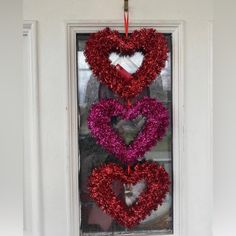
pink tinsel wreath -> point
(99, 122)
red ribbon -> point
(128, 103)
(127, 75)
(126, 22)
(129, 169)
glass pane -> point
(93, 220)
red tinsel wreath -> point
(147, 41)
(156, 187)
(99, 122)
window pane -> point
(91, 155)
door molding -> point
(32, 167)
(176, 29)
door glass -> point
(91, 155)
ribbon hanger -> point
(126, 16)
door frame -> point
(32, 154)
(176, 29)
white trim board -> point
(176, 29)
(32, 172)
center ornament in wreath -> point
(127, 86)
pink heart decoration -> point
(99, 122)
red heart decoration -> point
(147, 41)
(99, 122)
(157, 185)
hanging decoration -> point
(147, 41)
(99, 122)
(127, 87)
(156, 187)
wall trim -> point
(72, 165)
(210, 115)
(31, 130)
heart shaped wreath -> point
(156, 187)
(99, 122)
(147, 41)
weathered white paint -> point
(52, 17)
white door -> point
(188, 24)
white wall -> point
(224, 118)
(11, 118)
(51, 16)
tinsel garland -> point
(99, 122)
(149, 42)
(156, 187)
